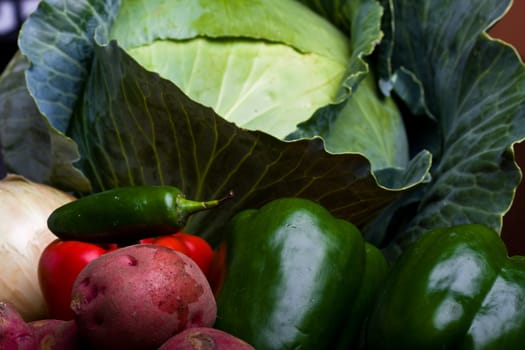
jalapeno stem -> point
(189, 206)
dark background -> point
(12, 13)
(510, 29)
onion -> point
(24, 209)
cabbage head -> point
(251, 61)
(397, 115)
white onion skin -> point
(24, 208)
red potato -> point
(137, 297)
(15, 333)
(55, 334)
(205, 338)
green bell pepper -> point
(454, 288)
(296, 277)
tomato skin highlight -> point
(58, 267)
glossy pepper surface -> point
(454, 288)
(125, 214)
(292, 276)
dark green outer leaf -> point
(474, 87)
(29, 145)
(365, 34)
(433, 39)
(335, 11)
(135, 127)
(404, 82)
(58, 41)
(476, 177)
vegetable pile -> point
(271, 286)
(122, 295)
(368, 144)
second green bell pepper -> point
(296, 278)
(454, 288)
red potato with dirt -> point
(15, 333)
(52, 334)
(139, 296)
(204, 338)
(48, 334)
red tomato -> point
(58, 267)
(199, 250)
(173, 243)
(217, 272)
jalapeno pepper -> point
(125, 214)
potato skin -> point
(139, 296)
(15, 333)
(205, 338)
(53, 334)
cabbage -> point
(406, 121)
(246, 60)
(24, 208)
